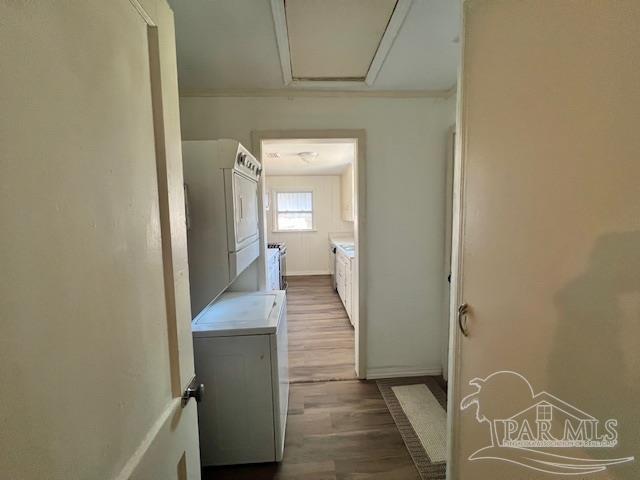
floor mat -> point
(418, 407)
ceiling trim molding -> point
(391, 32)
(282, 38)
(321, 84)
(287, 92)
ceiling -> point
(281, 157)
(231, 44)
(347, 48)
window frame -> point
(275, 207)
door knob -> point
(462, 319)
(194, 390)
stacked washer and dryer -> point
(240, 338)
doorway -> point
(312, 199)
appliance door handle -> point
(462, 319)
(241, 208)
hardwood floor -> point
(335, 431)
(321, 338)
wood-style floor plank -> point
(321, 338)
(335, 430)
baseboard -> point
(308, 272)
(376, 373)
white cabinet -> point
(348, 287)
(346, 182)
(344, 275)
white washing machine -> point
(240, 346)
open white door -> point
(96, 347)
(549, 242)
(448, 226)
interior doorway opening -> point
(312, 203)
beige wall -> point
(308, 252)
(405, 150)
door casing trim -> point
(360, 222)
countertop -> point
(341, 240)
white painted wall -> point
(405, 149)
(308, 252)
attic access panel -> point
(331, 40)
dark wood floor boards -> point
(335, 431)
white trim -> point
(282, 38)
(448, 215)
(308, 272)
(375, 373)
(314, 92)
(457, 260)
(360, 237)
(328, 83)
(142, 12)
(386, 42)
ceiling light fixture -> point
(308, 157)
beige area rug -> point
(418, 406)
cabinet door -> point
(339, 274)
(347, 283)
(341, 277)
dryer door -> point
(245, 208)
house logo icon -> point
(539, 429)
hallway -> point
(321, 338)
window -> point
(294, 211)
